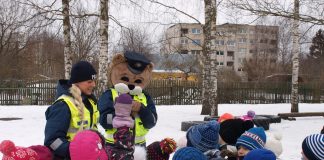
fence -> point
(173, 92)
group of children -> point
(239, 140)
(229, 138)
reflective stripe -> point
(75, 121)
(140, 139)
(73, 130)
(56, 144)
(109, 118)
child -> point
(189, 153)
(260, 154)
(313, 147)
(161, 150)
(12, 152)
(90, 145)
(254, 138)
(249, 116)
(224, 117)
(203, 136)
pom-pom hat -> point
(161, 150)
(12, 152)
(203, 136)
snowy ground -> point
(30, 130)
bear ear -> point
(118, 58)
(150, 66)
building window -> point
(242, 50)
(273, 42)
(196, 42)
(184, 41)
(220, 63)
(242, 40)
(230, 64)
(184, 51)
(195, 31)
(230, 53)
(252, 41)
(242, 30)
(219, 52)
(195, 51)
(231, 43)
(184, 30)
(263, 40)
(241, 60)
(219, 42)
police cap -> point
(136, 62)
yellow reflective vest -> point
(140, 130)
(75, 118)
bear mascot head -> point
(130, 72)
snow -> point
(30, 130)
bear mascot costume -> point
(129, 72)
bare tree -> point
(84, 35)
(295, 58)
(103, 57)
(278, 8)
(67, 37)
(209, 91)
(15, 32)
(136, 39)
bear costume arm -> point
(106, 109)
(148, 114)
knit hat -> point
(161, 150)
(12, 152)
(224, 117)
(189, 153)
(82, 71)
(249, 115)
(258, 154)
(43, 152)
(87, 145)
(203, 136)
(313, 147)
(254, 138)
(230, 130)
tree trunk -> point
(209, 95)
(295, 59)
(103, 57)
(67, 38)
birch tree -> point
(67, 38)
(103, 53)
(295, 59)
(209, 73)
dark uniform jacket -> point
(58, 120)
(147, 114)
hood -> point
(62, 88)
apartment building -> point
(233, 44)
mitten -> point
(123, 108)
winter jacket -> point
(213, 154)
(147, 114)
(58, 117)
